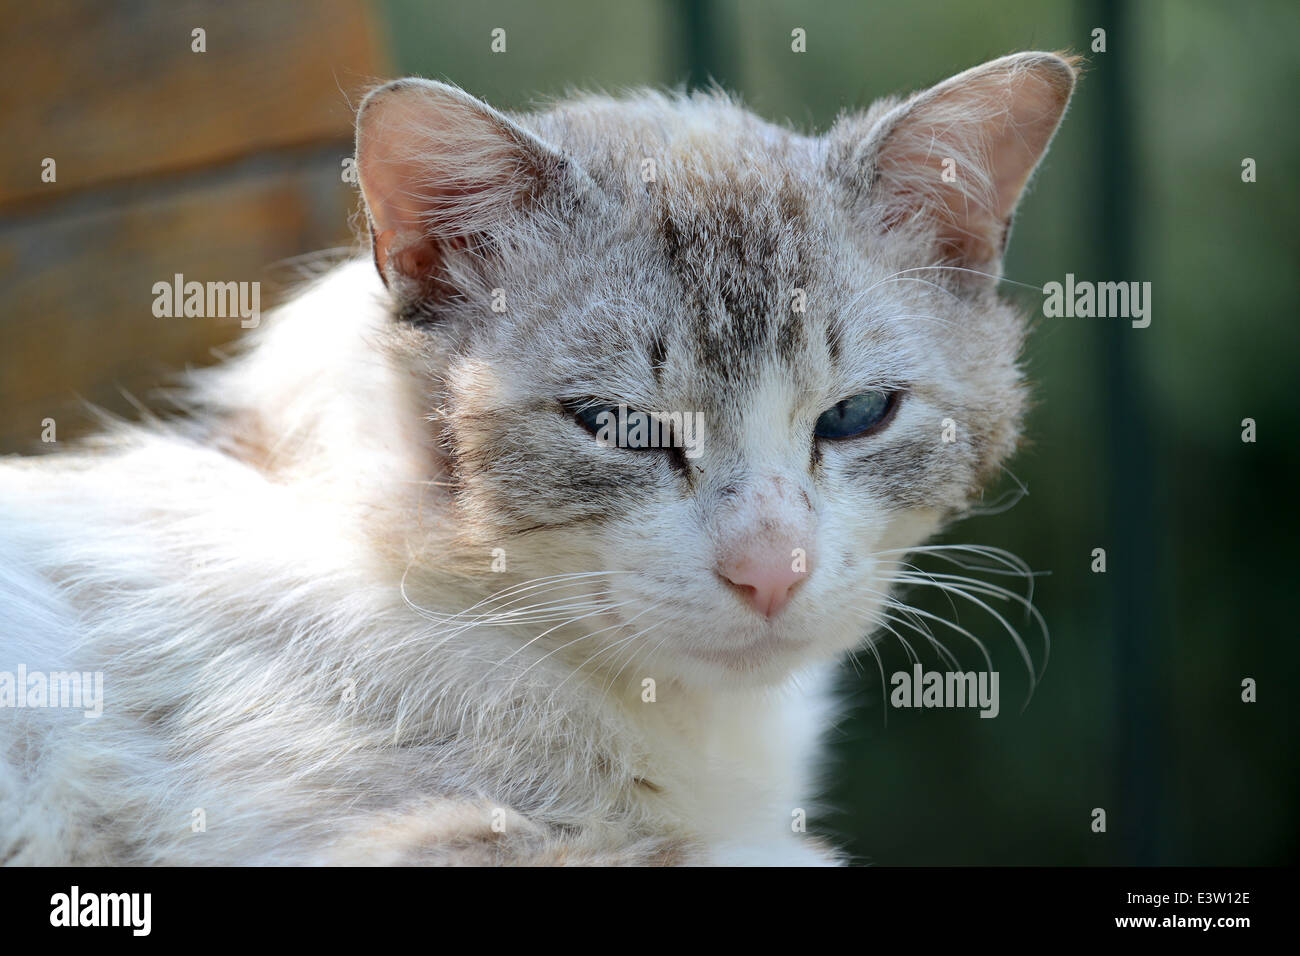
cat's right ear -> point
(443, 176)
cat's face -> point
(833, 397)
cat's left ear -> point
(949, 164)
(446, 181)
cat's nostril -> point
(766, 583)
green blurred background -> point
(1136, 440)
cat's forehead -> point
(743, 250)
(719, 256)
(726, 217)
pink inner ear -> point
(994, 122)
(437, 169)
(1037, 104)
(417, 258)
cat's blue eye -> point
(856, 416)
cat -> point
(385, 594)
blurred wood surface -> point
(218, 166)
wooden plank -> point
(78, 286)
(113, 90)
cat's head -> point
(818, 312)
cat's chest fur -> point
(744, 768)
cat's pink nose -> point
(766, 580)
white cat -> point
(387, 594)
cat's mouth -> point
(753, 654)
